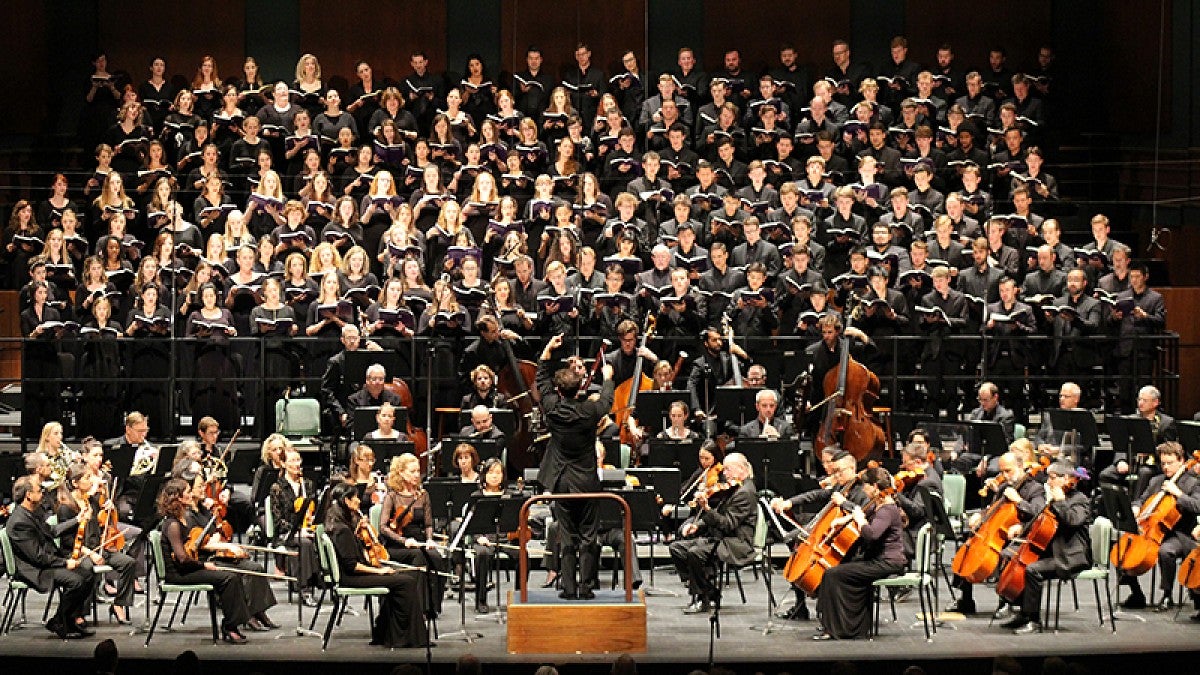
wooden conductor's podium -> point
(539, 622)
(547, 625)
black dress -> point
(422, 519)
(844, 598)
(148, 369)
(184, 570)
(41, 372)
(283, 498)
(99, 370)
(401, 619)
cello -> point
(976, 559)
(626, 393)
(1041, 532)
(850, 391)
(1136, 554)
(826, 544)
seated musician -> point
(841, 479)
(1162, 426)
(677, 413)
(335, 390)
(1026, 494)
(1050, 441)
(664, 376)
(844, 597)
(145, 459)
(720, 530)
(102, 482)
(385, 430)
(990, 410)
(406, 523)
(491, 484)
(712, 369)
(1068, 552)
(241, 510)
(402, 611)
(756, 376)
(766, 425)
(1177, 542)
(40, 564)
(483, 387)
(175, 503)
(466, 459)
(707, 474)
(291, 498)
(362, 474)
(373, 392)
(84, 508)
(482, 426)
(257, 593)
(917, 474)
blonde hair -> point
(300, 68)
(400, 463)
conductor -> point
(569, 465)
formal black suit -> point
(569, 466)
(41, 565)
(754, 428)
(726, 533)
(1069, 552)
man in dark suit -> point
(711, 369)
(335, 390)
(41, 566)
(766, 402)
(569, 465)
(1067, 553)
(483, 426)
(722, 531)
(990, 410)
(1162, 426)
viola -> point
(403, 516)
(111, 536)
(373, 548)
(710, 492)
(1137, 554)
(199, 537)
(980, 555)
(81, 532)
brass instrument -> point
(60, 463)
(147, 463)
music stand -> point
(165, 461)
(456, 544)
(666, 482)
(1189, 434)
(1130, 435)
(1114, 500)
(1080, 421)
(262, 487)
(485, 447)
(121, 459)
(774, 456)
(448, 493)
(986, 437)
(386, 451)
(935, 510)
(652, 407)
(495, 516)
(735, 403)
(241, 466)
(644, 517)
(669, 453)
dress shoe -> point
(1135, 601)
(962, 607)
(822, 637)
(1017, 621)
(482, 608)
(60, 629)
(1003, 613)
(266, 621)
(1195, 617)
(587, 594)
(308, 599)
(1165, 605)
(566, 595)
(113, 616)
(637, 583)
(698, 607)
(795, 613)
(1030, 627)
(256, 626)
(82, 631)
(551, 578)
(232, 636)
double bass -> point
(980, 555)
(514, 381)
(1136, 554)
(626, 393)
(415, 433)
(850, 391)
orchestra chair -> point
(14, 595)
(920, 578)
(760, 557)
(331, 578)
(1018, 431)
(299, 419)
(954, 495)
(1101, 533)
(165, 587)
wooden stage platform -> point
(676, 642)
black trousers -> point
(1036, 575)
(695, 562)
(125, 569)
(75, 587)
(577, 535)
(231, 593)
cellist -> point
(1066, 554)
(842, 479)
(1029, 499)
(1178, 542)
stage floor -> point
(677, 642)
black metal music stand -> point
(456, 544)
(735, 404)
(1118, 508)
(386, 451)
(652, 407)
(769, 571)
(1131, 436)
(1189, 434)
(774, 456)
(667, 453)
(986, 438)
(1081, 421)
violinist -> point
(1028, 498)
(841, 479)
(844, 597)
(406, 524)
(101, 489)
(712, 369)
(1067, 553)
(767, 424)
(401, 614)
(677, 413)
(241, 510)
(706, 475)
(84, 510)
(293, 505)
(916, 475)
(1178, 541)
(40, 564)
(362, 474)
(373, 392)
(176, 504)
(721, 529)
(491, 481)
(483, 388)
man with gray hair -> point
(767, 425)
(1138, 468)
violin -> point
(403, 516)
(199, 537)
(980, 555)
(373, 548)
(1137, 554)
(711, 491)
(81, 532)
